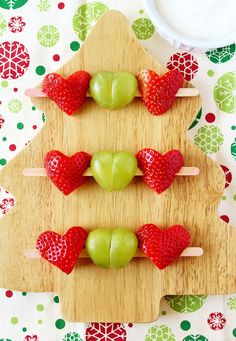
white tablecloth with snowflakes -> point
(34, 40)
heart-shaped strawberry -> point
(67, 172)
(158, 93)
(69, 94)
(159, 170)
(62, 251)
(163, 247)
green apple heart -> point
(113, 171)
(111, 248)
(113, 90)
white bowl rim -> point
(163, 27)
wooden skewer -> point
(184, 171)
(188, 252)
(182, 92)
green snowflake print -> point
(143, 28)
(72, 337)
(231, 303)
(225, 92)
(159, 333)
(5, 340)
(44, 5)
(12, 4)
(196, 120)
(222, 54)
(233, 149)
(195, 338)
(3, 25)
(86, 17)
(185, 303)
(14, 106)
(209, 139)
(48, 36)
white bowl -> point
(180, 40)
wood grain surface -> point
(131, 294)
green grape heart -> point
(113, 90)
(111, 248)
(113, 171)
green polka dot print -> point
(74, 45)
(60, 324)
(14, 320)
(3, 162)
(40, 70)
(40, 307)
(185, 325)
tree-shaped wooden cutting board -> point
(132, 293)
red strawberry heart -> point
(163, 247)
(69, 94)
(67, 172)
(62, 251)
(159, 170)
(158, 93)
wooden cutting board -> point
(131, 294)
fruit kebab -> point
(114, 248)
(114, 91)
(113, 171)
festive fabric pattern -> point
(35, 41)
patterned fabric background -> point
(34, 42)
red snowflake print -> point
(31, 338)
(2, 121)
(16, 24)
(105, 332)
(185, 63)
(216, 321)
(14, 60)
(6, 204)
(228, 175)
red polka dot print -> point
(61, 5)
(56, 57)
(210, 117)
(225, 218)
(12, 147)
(9, 293)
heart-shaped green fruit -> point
(113, 171)
(113, 90)
(111, 248)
